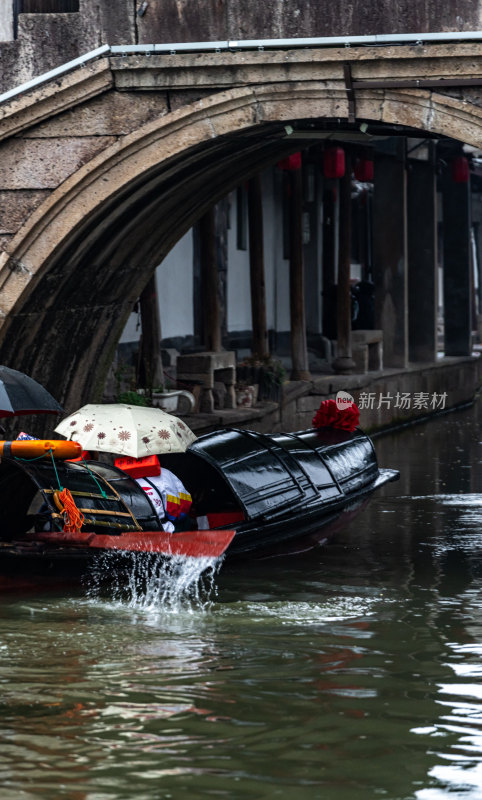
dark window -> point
(47, 6)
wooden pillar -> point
(328, 265)
(343, 362)
(260, 345)
(422, 260)
(150, 373)
(456, 265)
(211, 316)
(312, 246)
(390, 253)
(221, 215)
(299, 349)
(476, 218)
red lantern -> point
(334, 162)
(364, 170)
(460, 170)
(291, 162)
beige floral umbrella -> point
(126, 430)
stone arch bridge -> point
(106, 164)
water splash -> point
(153, 582)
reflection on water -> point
(350, 671)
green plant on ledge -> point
(132, 398)
(265, 371)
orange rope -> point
(73, 518)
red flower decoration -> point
(348, 418)
(330, 416)
(326, 414)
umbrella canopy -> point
(126, 430)
(20, 394)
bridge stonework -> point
(102, 170)
(33, 43)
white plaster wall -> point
(6, 21)
(174, 289)
(175, 275)
(174, 278)
(129, 334)
(238, 284)
(281, 264)
(270, 216)
(276, 267)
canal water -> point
(348, 672)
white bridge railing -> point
(245, 44)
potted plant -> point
(265, 372)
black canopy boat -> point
(251, 491)
(275, 487)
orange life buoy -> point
(33, 448)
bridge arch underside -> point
(74, 270)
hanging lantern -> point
(292, 162)
(334, 162)
(364, 170)
(460, 170)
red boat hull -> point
(197, 544)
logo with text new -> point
(343, 400)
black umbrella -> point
(20, 394)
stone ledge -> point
(459, 377)
(294, 389)
(330, 384)
(229, 417)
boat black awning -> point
(268, 475)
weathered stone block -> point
(8, 64)
(4, 240)
(308, 404)
(43, 164)
(16, 206)
(111, 114)
(359, 354)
